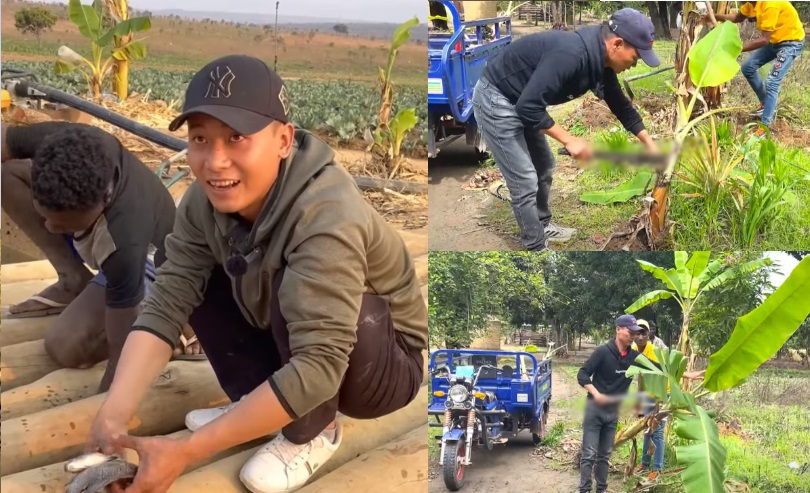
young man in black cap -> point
(305, 301)
(603, 376)
(512, 97)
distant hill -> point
(364, 29)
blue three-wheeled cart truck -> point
(457, 57)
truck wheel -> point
(536, 439)
(454, 456)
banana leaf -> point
(759, 334)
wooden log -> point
(42, 270)
(37, 270)
(24, 363)
(53, 478)
(400, 466)
(17, 292)
(359, 436)
(54, 389)
(17, 330)
(42, 438)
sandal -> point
(53, 308)
(188, 357)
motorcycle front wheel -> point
(454, 455)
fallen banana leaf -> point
(634, 187)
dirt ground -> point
(515, 466)
(457, 216)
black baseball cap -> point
(240, 91)
(638, 30)
(628, 321)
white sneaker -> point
(282, 466)
(200, 417)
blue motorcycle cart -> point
(456, 59)
(482, 398)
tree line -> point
(579, 294)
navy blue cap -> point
(628, 321)
(638, 30)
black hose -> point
(13, 73)
(23, 90)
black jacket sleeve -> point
(550, 77)
(23, 141)
(620, 105)
(590, 366)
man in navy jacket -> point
(512, 97)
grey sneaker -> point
(558, 233)
(758, 112)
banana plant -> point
(119, 12)
(107, 48)
(401, 36)
(711, 62)
(703, 456)
(757, 337)
(390, 138)
(688, 281)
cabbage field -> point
(341, 108)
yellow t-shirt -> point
(779, 18)
(649, 353)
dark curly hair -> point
(72, 170)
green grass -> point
(693, 228)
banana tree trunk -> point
(692, 30)
(121, 79)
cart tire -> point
(454, 456)
(537, 439)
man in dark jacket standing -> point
(512, 97)
(603, 376)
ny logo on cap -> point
(284, 99)
(219, 85)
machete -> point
(657, 161)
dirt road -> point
(458, 216)
(514, 466)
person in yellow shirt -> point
(642, 345)
(781, 41)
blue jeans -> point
(768, 93)
(598, 433)
(657, 439)
(523, 157)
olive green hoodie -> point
(335, 247)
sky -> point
(784, 263)
(395, 11)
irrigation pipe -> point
(36, 90)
